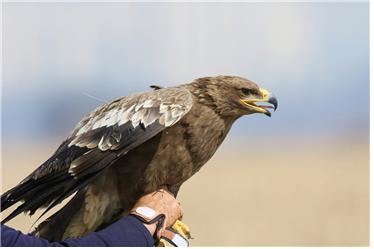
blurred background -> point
(300, 178)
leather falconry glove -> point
(162, 209)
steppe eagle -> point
(132, 146)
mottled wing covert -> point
(128, 122)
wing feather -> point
(99, 139)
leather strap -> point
(148, 216)
(175, 239)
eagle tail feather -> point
(30, 205)
(23, 191)
(67, 193)
(44, 194)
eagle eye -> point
(247, 91)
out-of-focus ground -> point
(261, 192)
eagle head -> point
(234, 96)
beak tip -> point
(274, 102)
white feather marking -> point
(161, 120)
(119, 115)
(71, 169)
(101, 140)
(99, 123)
(137, 117)
(163, 108)
(138, 106)
(150, 117)
(175, 106)
(74, 165)
(86, 127)
(101, 145)
(169, 120)
(112, 118)
(148, 103)
(81, 130)
(126, 115)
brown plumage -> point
(131, 146)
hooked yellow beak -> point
(267, 97)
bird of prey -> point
(132, 146)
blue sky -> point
(313, 56)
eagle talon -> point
(162, 243)
(182, 229)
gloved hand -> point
(159, 211)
